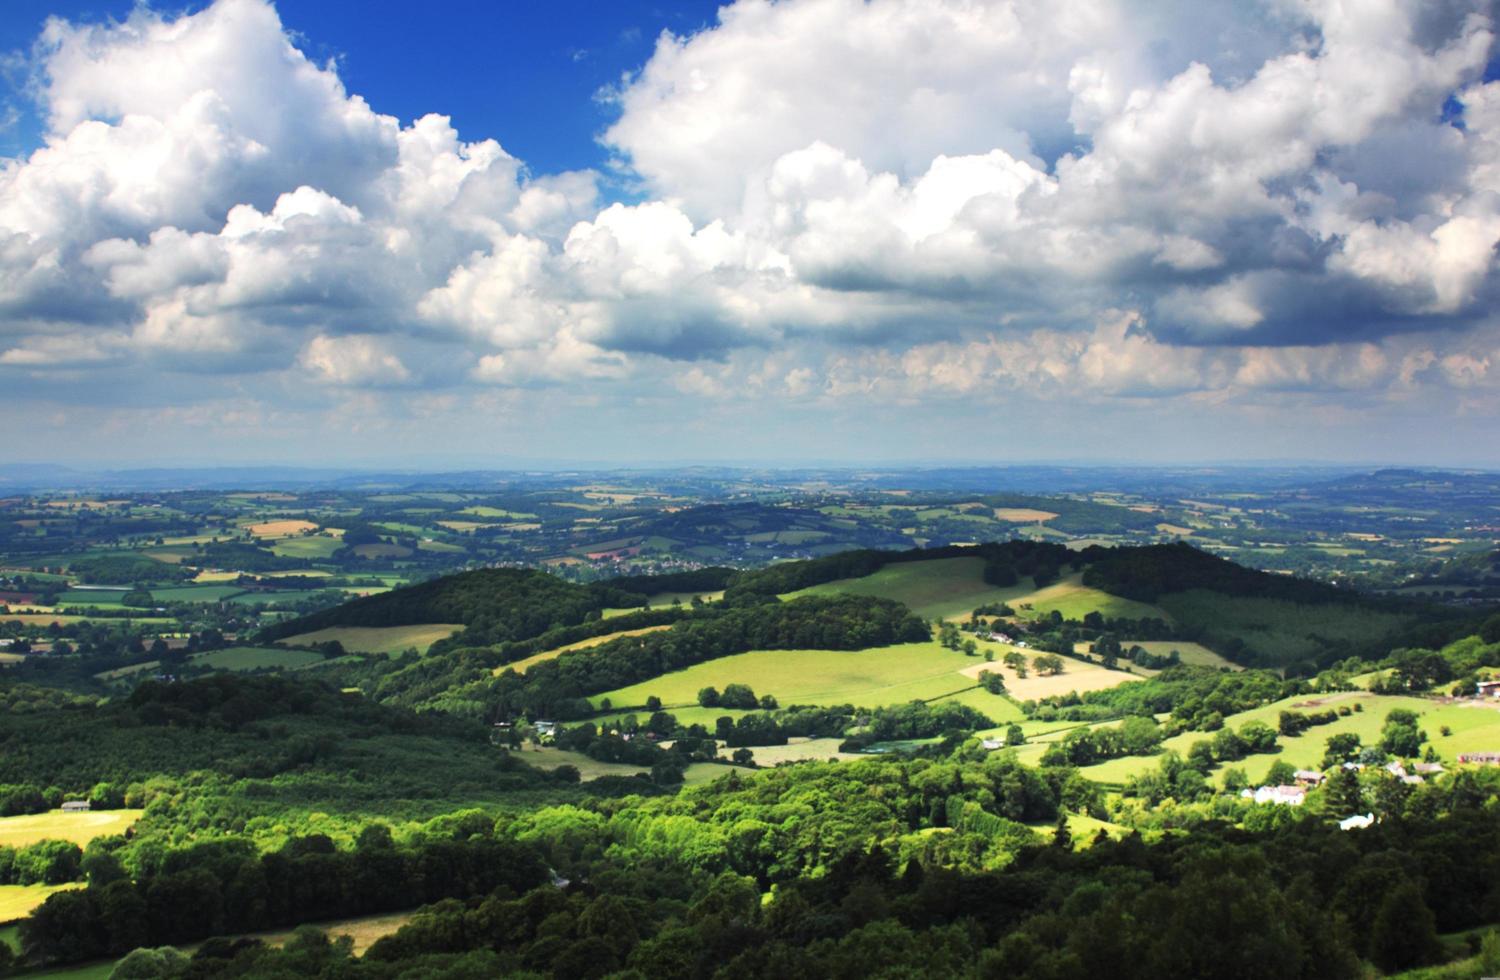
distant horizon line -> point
(530, 465)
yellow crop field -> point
(281, 529)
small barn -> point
(75, 806)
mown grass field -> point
(1075, 600)
(391, 640)
(1076, 676)
(314, 546)
(256, 658)
(1191, 653)
(867, 678)
(521, 666)
(943, 588)
(549, 758)
(80, 828)
(17, 901)
(196, 593)
(1472, 730)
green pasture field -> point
(315, 546)
(1473, 730)
(866, 678)
(266, 598)
(1282, 630)
(80, 828)
(254, 658)
(119, 672)
(1191, 653)
(521, 666)
(391, 640)
(1075, 600)
(548, 757)
(943, 588)
(802, 750)
(196, 593)
(17, 901)
(482, 511)
(382, 551)
(98, 598)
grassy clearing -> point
(802, 750)
(943, 588)
(1076, 676)
(18, 901)
(1075, 600)
(196, 593)
(1283, 631)
(1022, 515)
(255, 658)
(1472, 730)
(1191, 653)
(550, 758)
(390, 640)
(868, 678)
(521, 666)
(382, 551)
(80, 828)
(316, 546)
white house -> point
(1357, 822)
(1282, 795)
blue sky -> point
(810, 230)
(531, 71)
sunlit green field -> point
(1191, 653)
(314, 546)
(379, 639)
(1473, 730)
(80, 828)
(866, 678)
(17, 901)
(1074, 600)
(943, 588)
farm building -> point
(1308, 777)
(75, 806)
(1488, 689)
(991, 744)
(1357, 822)
(1480, 758)
(1282, 795)
(1430, 768)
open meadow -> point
(521, 666)
(79, 828)
(866, 678)
(1074, 600)
(391, 640)
(1472, 729)
(18, 901)
(941, 588)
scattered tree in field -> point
(992, 682)
(708, 697)
(1047, 663)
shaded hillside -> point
(495, 605)
(1150, 572)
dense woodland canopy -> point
(371, 785)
